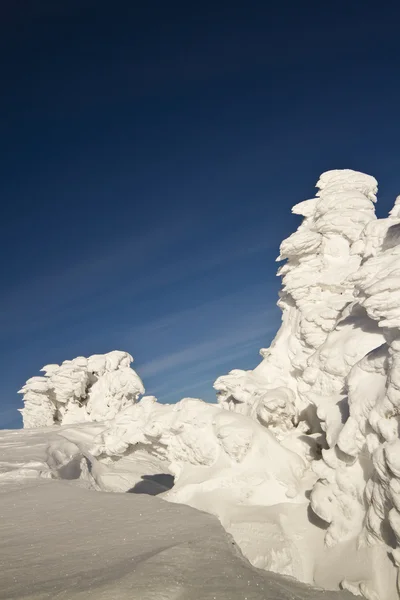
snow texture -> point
(82, 389)
(337, 355)
(60, 539)
(300, 459)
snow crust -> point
(61, 539)
(300, 459)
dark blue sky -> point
(151, 153)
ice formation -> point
(82, 389)
(358, 491)
(316, 287)
(338, 353)
(300, 459)
(208, 450)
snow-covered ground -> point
(61, 540)
(300, 459)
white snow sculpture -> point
(213, 454)
(83, 389)
(359, 487)
(315, 290)
(338, 350)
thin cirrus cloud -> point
(230, 358)
(181, 392)
(41, 299)
(232, 305)
(127, 271)
(210, 367)
(201, 351)
(221, 334)
(116, 300)
(177, 354)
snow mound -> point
(61, 540)
(209, 451)
(82, 389)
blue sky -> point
(151, 156)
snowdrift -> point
(300, 460)
(61, 540)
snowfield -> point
(61, 540)
(299, 461)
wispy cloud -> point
(110, 301)
(45, 297)
(232, 357)
(175, 393)
(193, 371)
(125, 271)
(191, 346)
(205, 351)
(218, 310)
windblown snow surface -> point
(62, 539)
(299, 461)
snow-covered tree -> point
(82, 389)
(320, 256)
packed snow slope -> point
(300, 460)
(63, 540)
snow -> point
(300, 458)
(61, 540)
(82, 389)
(337, 351)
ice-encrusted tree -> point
(316, 286)
(358, 491)
(82, 389)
